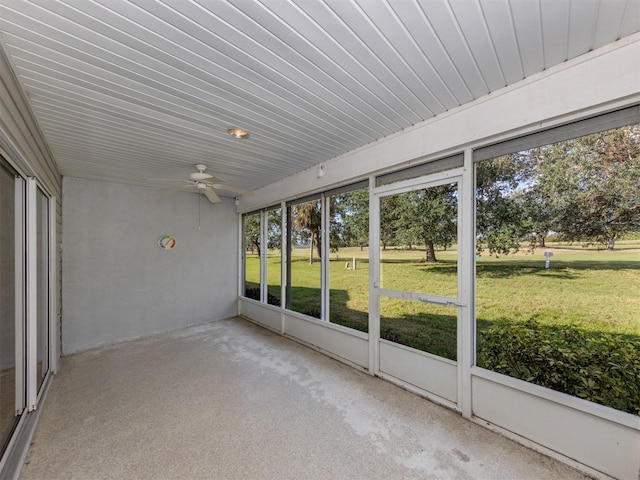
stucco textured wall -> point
(117, 283)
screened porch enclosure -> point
(409, 227)
(484, 295)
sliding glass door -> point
(12, 319)
(26, 266)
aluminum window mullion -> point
(241, 257)
(374, 279)
(324, 261)
(263, 256)
(466, 284)
(283, 253)
(287, 247)
(20, 292)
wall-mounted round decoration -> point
(167, 242)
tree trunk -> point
(612, 242)
(318, 244)
(541, 241)
(431, 252)
(311, 249)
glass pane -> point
(423, 326)
(558, 268)
(349, 262)
(419, 241)
(305, 270)
(251, 230)
(42, 219)
(274, 256)
(7, 305)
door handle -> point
(448, 303)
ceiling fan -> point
(203, 183)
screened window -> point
(274, 256)
(252, 244)
(348, 265)
(304, 269)
(557, 266)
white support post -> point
(466, 282)
(240, 262)
(53, 288)
(32, 295)
(264, 215)
(283, 262)
(324, 262)
(374, 279)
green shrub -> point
(254, 293)
(599, 367)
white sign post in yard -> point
(548, 255)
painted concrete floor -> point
(230, 400)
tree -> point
(585, 189)
(307, 216)
(274, 229)
(252, 232)
(593, 184)
(505, 203)
(389, 207)
(350, 216)
(538, 211)
(435, 217)
(427, 216)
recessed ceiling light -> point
(238, 133)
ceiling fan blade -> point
(211, 195)
(229, 188)
(214, 180)
(171, 190)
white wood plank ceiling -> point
(129, 90)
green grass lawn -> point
(593, 290)
(574, 327)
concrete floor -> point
(230, 400)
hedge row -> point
(599, 367)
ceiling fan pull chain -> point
(199, 195)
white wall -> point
(117, 283)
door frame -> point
(463, 303)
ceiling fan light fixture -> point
(238, 133)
